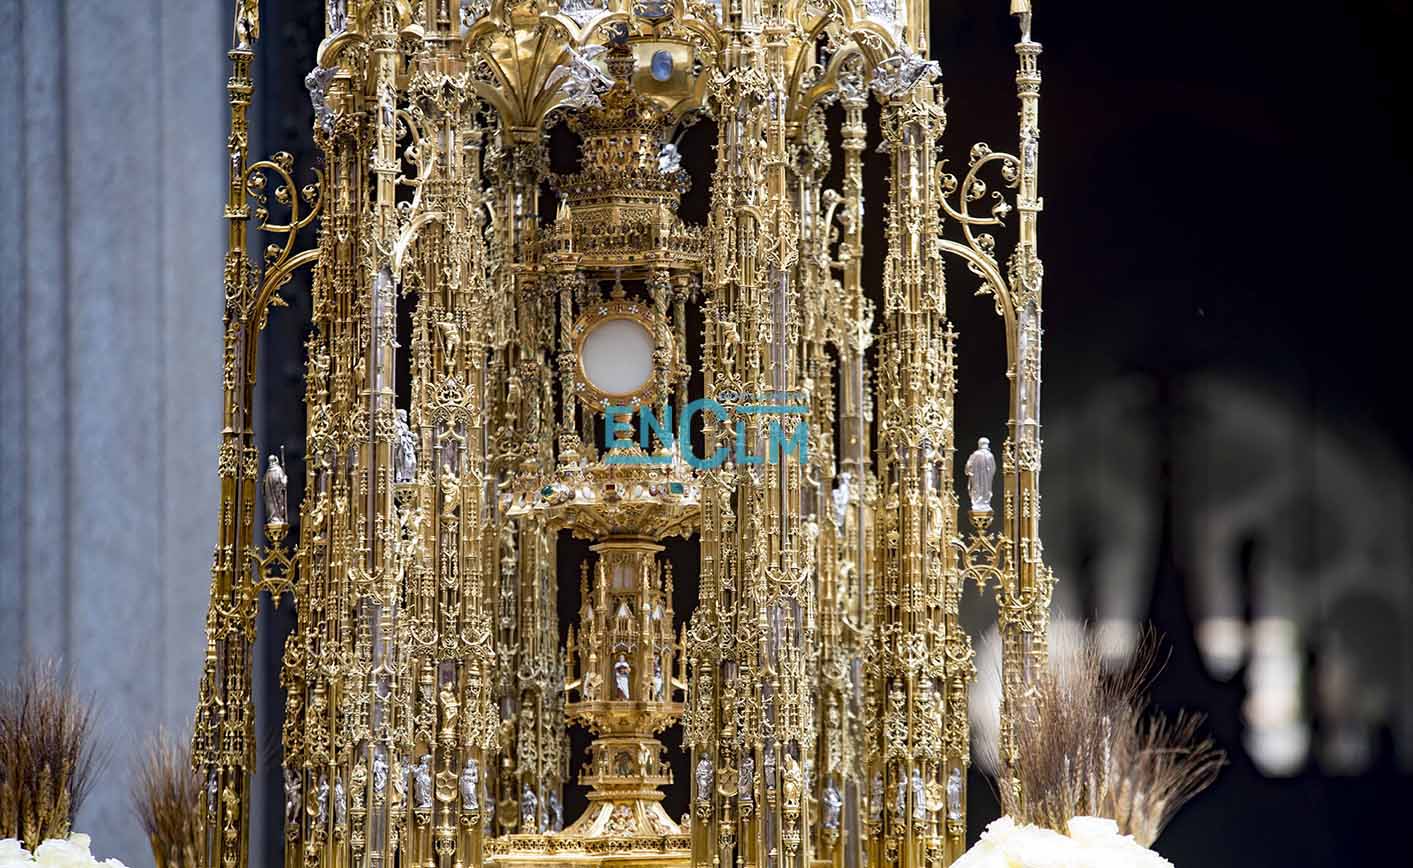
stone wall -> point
(111, 155)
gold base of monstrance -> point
(625, 673)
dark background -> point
(1224, 234)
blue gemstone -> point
(662, 65)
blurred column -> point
(110, 351)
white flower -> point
(60, 853)
(13, 854)
(1092, 842)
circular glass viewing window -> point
(617, 357)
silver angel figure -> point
(470, 785)
(585, 81)
(276, 488)
(422, 777)
(901, 71)
(981, 472)
(317, 83)
(405, 458)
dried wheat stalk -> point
(1088, 747)
(166, 797)
(48, 754)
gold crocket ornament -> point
(503, 359)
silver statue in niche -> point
(657, 679)
(276, 497)
(405, 450)
(321, 803)
(621, 671)
(833, 803)
(556, 812)
(840, 499)
(919, 797)
(705, 775)
(954, 795)
(380, 772)
(293, 798)
(340, 803)
(746, 781)
(401, 770)
(469, 784)
(422, 779)
(529, 808)
(981, 473)
(875, 801)
(338, 16)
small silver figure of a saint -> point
(340, 803)
(705, 775)
(469, 785)
(919, 797)
(405, 450)
(321, 803)
(657, 678)
(293, 798)
(954, 795)
(556, 812)
(746, 781)
(276, 488)
(380, 773)
(981, 472)
(1021, 9)
(422, 778)
(621, 670)
(338, 16)
(833, 802)
(247, 23)
(875, 800)
(840, 499)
